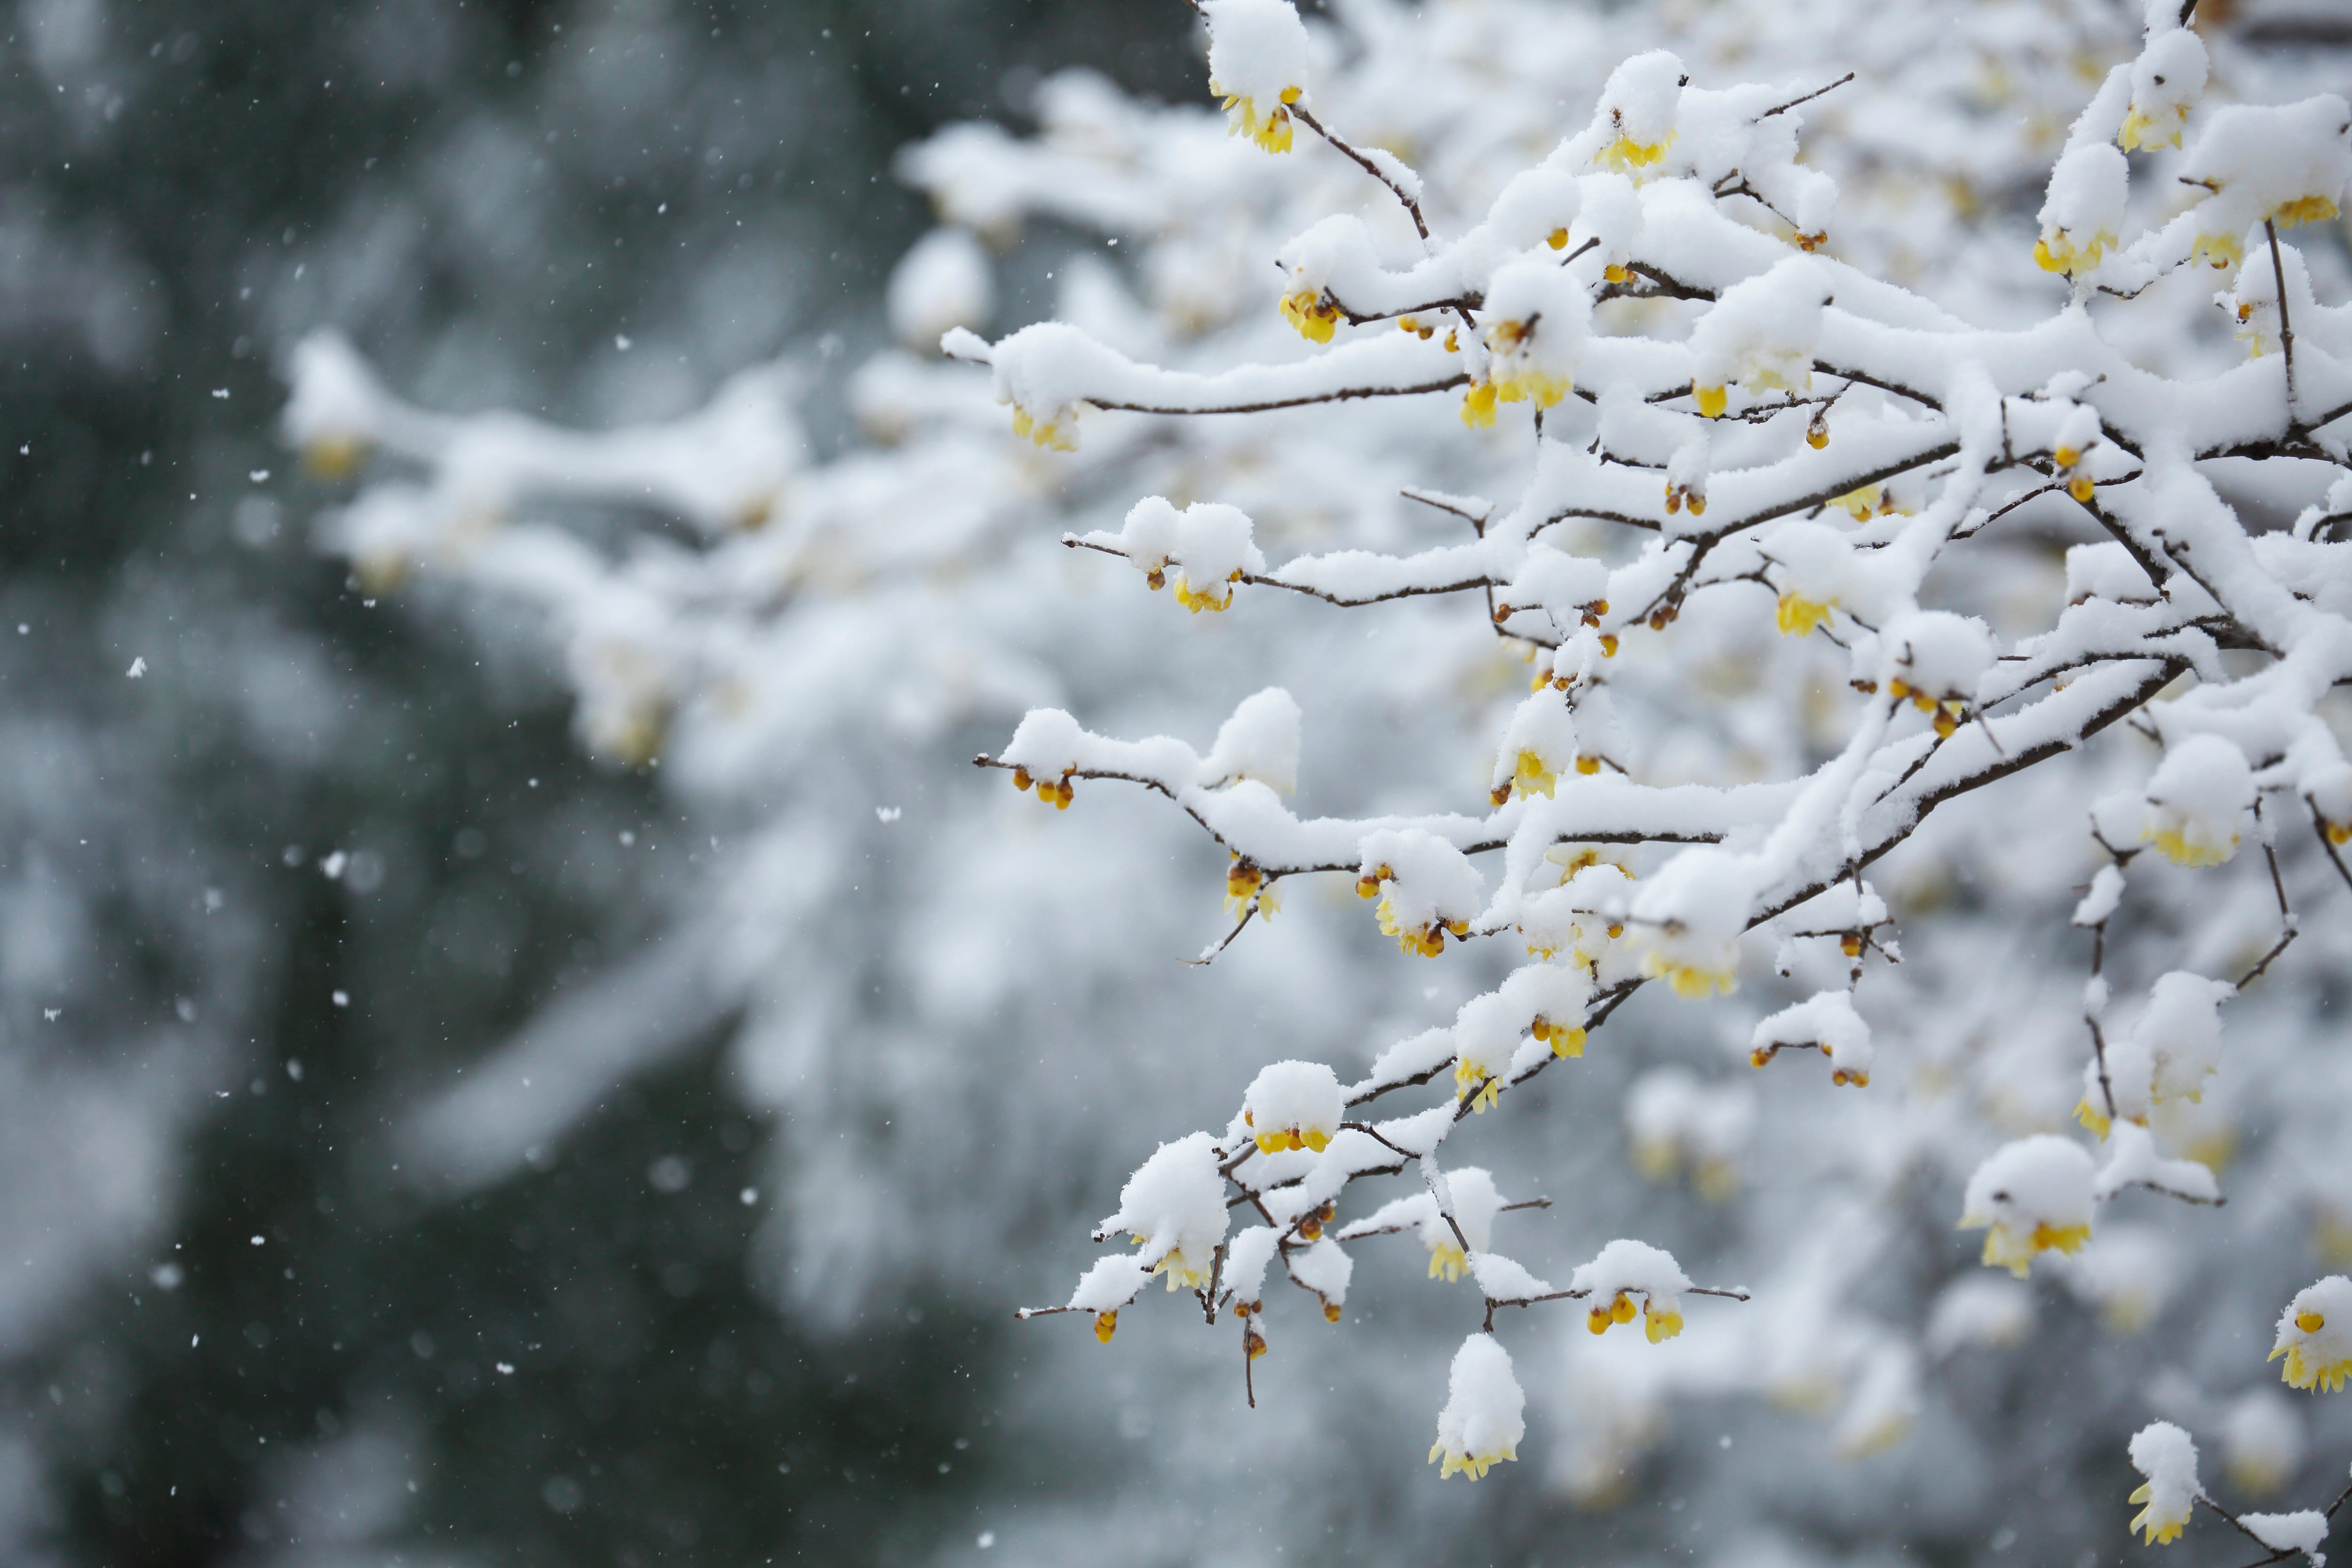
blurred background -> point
(389, 1173)
(211, 1268)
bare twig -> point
(2287, 327)
(1412, 206)
(1808, 97)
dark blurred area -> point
(270, 858)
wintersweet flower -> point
(1270, 129)
(2165, 81)
(2220, 251)
(1258, 57)
(1058, 432)
(1182, 1272)
(1798, 616)
(1484, 1418)
(1478, 405)
(2167, 1457)
(2314, 1335)
(1624, 1270)
(2143, 130)
(2062, 251)
(2032, 1196)
(1313, 312)
(1174, 1209)
(1214, 596)
(1243, 884)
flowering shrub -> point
(1855, 583)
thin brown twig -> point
(1411, 205)
(1808, 97)
(2287, 327)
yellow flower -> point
(2223, 251)
(1054, 434)
(335, 457)
(1660, 1325)
(1181, 1270)
(1625, 154)
(1691, 982)
(1448, 1259)
(1315, 316)
(1620, 1311)
(2141, 130)
(2317, 1357)
(2160, 1531)
(1478, 405)
(2304, 209)
(1106, 1325)
(1798, 617)
(2013, 1249)
(2178, 849)
(1475, 1081)
(1427, 941)
(2061, 252)
(1565, 1039)
(1474, 1465)
(1531, 774)
(1861, 503)
(1199, 599)
(2095, 1121)
(1712, 401)
(1270, 130)
(1534, 385)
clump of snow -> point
(1325, 1268)
(1624, 1270)
(1174, 1207)
(1564, 586)
(2167, 1457)
(1259, 741)
(2100, 899)
(2287, 162)
(2170, 1051)
(2302, 1531)
(1292, 1105)
(2033, 1195)
(2133, 1162)
(1245, 1264)
(1538, 746)
(1634, 122)
(2168, 79)
(2197, 800)
(2106, 571)
(1427, 886)
(1047, 743)
(1761, 334)
(1936, 655)
(1259, 60)
(1484, 1417)
(2083, 209)
(335, 407)
(1540, 317)
(1686, 919)
(1827, 1020)
(1210, 544)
